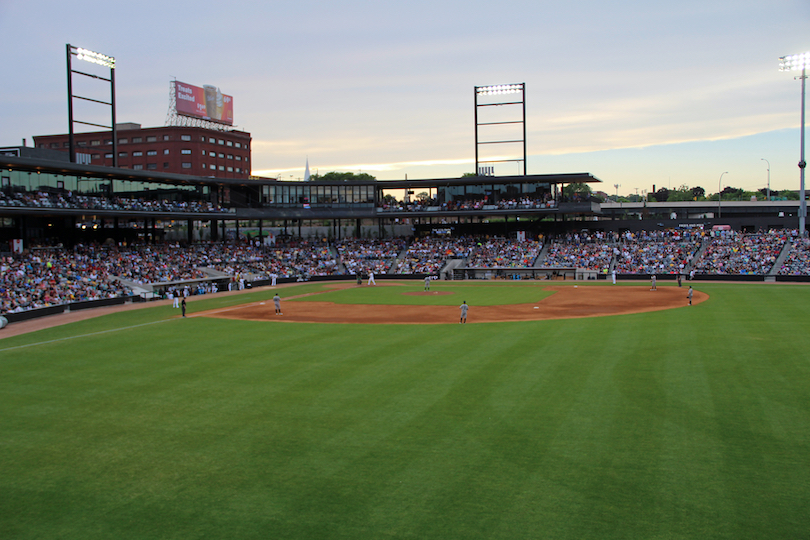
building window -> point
(122, 154)
(166, 138)
(239, 145)
(108, 156)
(151, 138)
(137, 139)
(96, 156)
(137, 154)
(230, 156)
(238, 158)
(222, 167)
(166, 164)
(151, 166)
(230, 169)
(54, 145)
(221, 141)
(185, 165)
(165, 151)
(212, 140)
(186, 151)
(151, 152)
(229, 143)
(222, 155)
(137, 167)
(95, 143)
(213, 167)
(185, 137)
(123, 141)
(66, 144)
(203, 152)
(107, 141)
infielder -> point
(463, 307)
(653, 287)
(427, 283)
(277, 303)
(689, 295)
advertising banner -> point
(208, 103)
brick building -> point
(171, 149)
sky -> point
(639, 94)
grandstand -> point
(79, 233)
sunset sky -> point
(635, 93)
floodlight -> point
(794, 62)
(96, 58)
(499, 89)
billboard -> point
(207, 103)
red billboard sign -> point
(207, 103)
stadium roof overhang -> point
(95, 171)
(570, 178)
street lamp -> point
(769, 178)
(720, 195)
(796, 62)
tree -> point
(698, 193)
(422, 196)
(662, 195)
(577, 190)
(342, 177)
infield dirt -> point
(567, 302)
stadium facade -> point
(45, 200)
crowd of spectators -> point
(70, 200)
(360, 256)
(526, 202)
(589, 256)
(428, 255)
(667, 251)
(797, 262)
(52, 277)
(732, 252)
(503, 253)
(48, 276)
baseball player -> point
(277, 303)
(463, 307)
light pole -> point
(769, 178)
(720, 195)
(796, 62)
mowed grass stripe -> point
(684, 423)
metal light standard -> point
(720, 195)
(104, 61)
(769, 178)
(796, 62)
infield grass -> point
(687, 423)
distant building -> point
(195, 151)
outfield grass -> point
(687, 423)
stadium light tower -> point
(769, 178)
(799, 62)
(104, 61)
(489, 94)
(720, 195)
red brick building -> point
(173, 149)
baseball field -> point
(660, 422)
